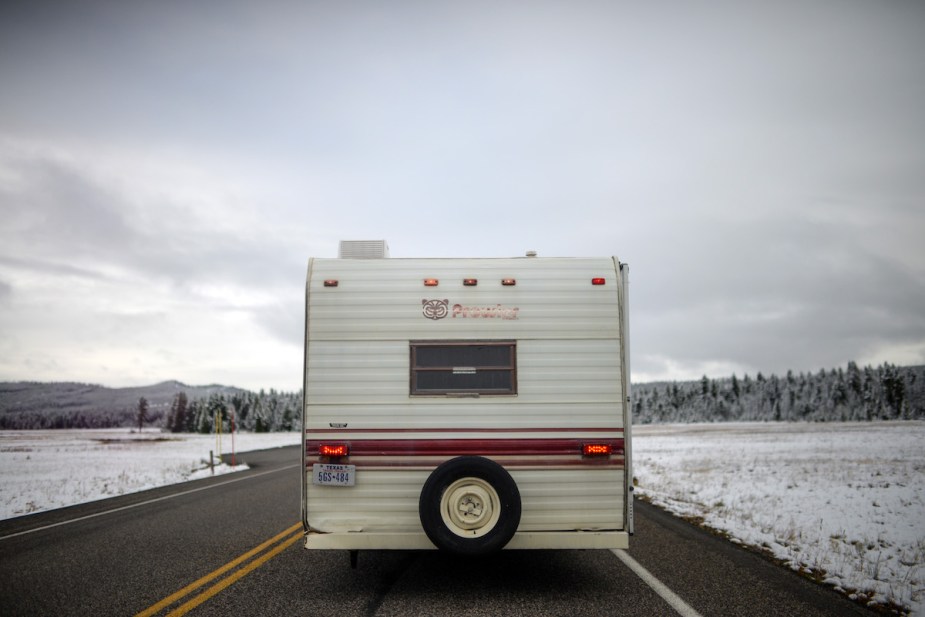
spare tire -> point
(470, 505)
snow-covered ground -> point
(846, 501)
(43, 470)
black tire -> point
(486, 506)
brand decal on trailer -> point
(435, 309)
(438, 309)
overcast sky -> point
(167, 168)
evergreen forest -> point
(170, 405)
(259, 412)
(887, 392)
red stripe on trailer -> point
(467, 447)
(429, 463)
(340, 431)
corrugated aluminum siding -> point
(378, 300)
(552, 500)
(569, 376)
(567, 335)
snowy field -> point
(43, 470)
(845, 502)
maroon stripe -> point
(463, 447)
(321, 431)
(431, 462)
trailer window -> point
(480, 367)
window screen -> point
(482, 367)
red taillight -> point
(508, 282)
(596, 449)
(430, 282)
(333, 449)
(470, 282)
(330, 283)
(598, 281)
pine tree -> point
(854, 378)
(142, 412)
(204, 422)
(894, 390)
(176, 420)
(217, 410)
(191, 422)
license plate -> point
(327, 474)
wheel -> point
(470, 505)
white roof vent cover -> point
(363, 249)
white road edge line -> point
(679, 605)
(144, 503)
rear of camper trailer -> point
(466, 404)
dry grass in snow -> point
(844, 503)
(43, 470)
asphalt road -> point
(125, 555)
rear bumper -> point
(419, 541)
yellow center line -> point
(156, 608)
(214, 589)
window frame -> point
(414, 370)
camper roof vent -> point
(363, 249)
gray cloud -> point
(61, 219)
(56, 210)
(779, 295)
(758, 164)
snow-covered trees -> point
(176, 419)
(172, 406)
(886, 392)
(850, 394)
(260, 412)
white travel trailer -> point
(466, 404)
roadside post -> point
(232, 437)
(218, 435)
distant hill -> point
(26, 404)
(853, 394)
